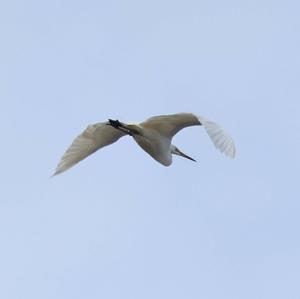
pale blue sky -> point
(119, 225)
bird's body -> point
(153, 135)
(156, 145)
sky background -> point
(119, 225)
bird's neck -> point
(134, 129)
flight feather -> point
(94, 137)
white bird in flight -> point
(154, 136)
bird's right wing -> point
(94, 137)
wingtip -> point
(220, 138)
(57, 172)
(231, 154)
(53, 175)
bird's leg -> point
(120, 126)
(176, 151)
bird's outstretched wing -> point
(169, 125)
(94, 137)
(220, 138)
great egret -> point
(154, 135)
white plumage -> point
(154, 136)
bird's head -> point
(114, 123)
(175, 150)
(128, 129)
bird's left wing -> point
(169, 125)
(94, 137)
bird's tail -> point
(222, 140)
